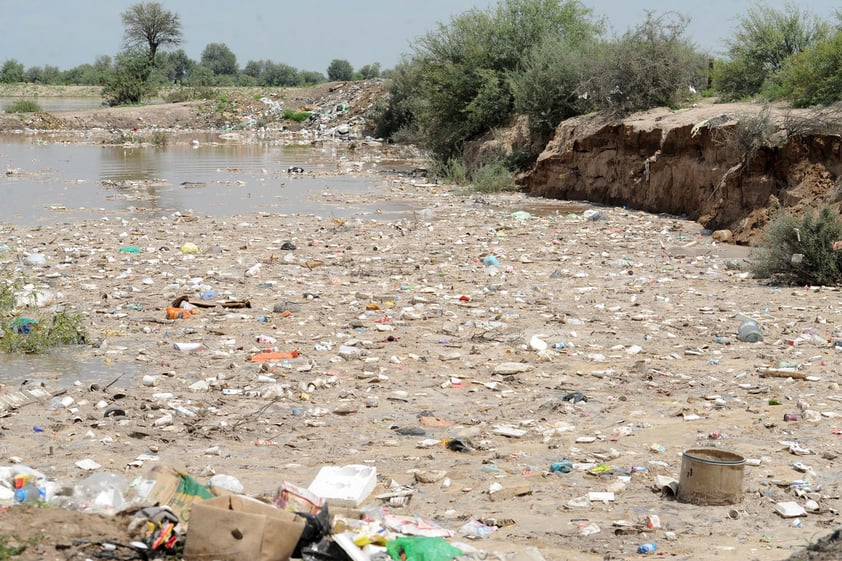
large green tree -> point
(175, 66)
(149, 26)
(11, 72)
(220, 59)
(339, 70)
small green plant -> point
(32, 335)
(297, 116)
(801, 251)
(224, 103)
(493, 177)
(29, 336)
(159, 138)
(7, 294)
(22, 106)
(452, 171)
(12, 546)
(180, 95)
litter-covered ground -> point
(523, 376)
(515, 377)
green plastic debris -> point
(421, 548)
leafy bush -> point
(11, 72)
(395, 118)
(128, 83)
(460, 86)
(651, 65)
(22, 106)
(814, 77)
(493, 177)
(800, 251)
(551, 86)
(452, 171)
(760, 48)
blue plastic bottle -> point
(648, 547)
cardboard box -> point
(240, 528)
(174, 488)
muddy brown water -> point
(216, 175)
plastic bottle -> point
(648, 547)
(750, 332)
(29, 494)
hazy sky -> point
(308, 34)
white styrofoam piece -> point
(344, 486)
(790, 509)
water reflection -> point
(51, 182)
(62, 368)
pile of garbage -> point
(337, 111)
(169, 512)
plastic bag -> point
(421, 548)
(317, 528)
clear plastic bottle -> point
(750, 331)
(29, 494)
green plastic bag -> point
(420, 548)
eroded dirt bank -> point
(680, 162)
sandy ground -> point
(464, 321)
(399, 321)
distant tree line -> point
(145, 64)
(217, 67)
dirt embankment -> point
(682, 163)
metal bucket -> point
(710, 476)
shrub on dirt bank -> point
(762, 46)
(546, 59)
(22, 106)
(801, 251)
(460, 82)
(128, 83)
(654, 64)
